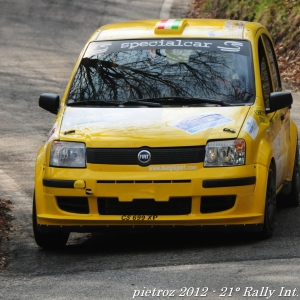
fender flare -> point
(38, 176)
(264, 154)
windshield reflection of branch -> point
(137, 76)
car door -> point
(279, 120)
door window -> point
(264, 74)
(273, 63)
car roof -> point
(172, 28)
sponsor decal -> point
(259, 111)
(172, 168)
(251, 127)
(231, 28)
(235, 28)
(169, 24)
(231, 46)
(165, 44)
(199, 123)
(101, 48)
(107, 117)
(97, 48)
(263, 120)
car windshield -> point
(156, 70)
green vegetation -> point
(281, 17)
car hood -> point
(156, 127)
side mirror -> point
(49, 102)
(279, 100)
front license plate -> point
(138, 217)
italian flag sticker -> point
(169, 24)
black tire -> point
(294, 197)
(270, 206)
(46, 240)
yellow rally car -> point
(168, 124)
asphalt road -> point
(39, 44)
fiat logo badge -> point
(144, 156)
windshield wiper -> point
(184, 100)
(93, 103)
(111, 103)
(142, 102)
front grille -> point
(127, 156)
(211, 204)
(78, 205)
(175, 206)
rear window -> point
(119, 71)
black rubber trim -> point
(69, 184)
(215, 183)
(145, 181)
(142, 229)
(175, 206)
(77, 205)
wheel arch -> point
(292, 149)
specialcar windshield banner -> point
(220, 45)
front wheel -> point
(270, 206)
(46, 240)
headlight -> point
(225, 153)
(67, 154)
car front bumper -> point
(244, 185)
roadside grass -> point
(5, 227)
